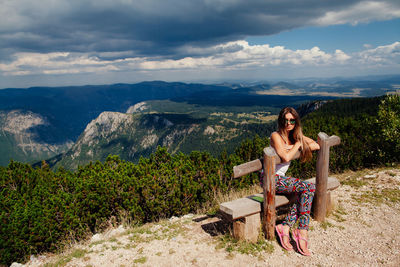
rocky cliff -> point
(131, 136)
(127, 135)
(20, 140)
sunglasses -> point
(291, 121)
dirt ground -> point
(361, 231)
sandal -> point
(297, 238)
(279, 230)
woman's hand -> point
(313, 145)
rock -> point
(21, 125)
(33, 258)
(141, 106)
(117, 231)
(188, 216)
(173, 219)
(156, 227)
(96, 238)
(16, 264)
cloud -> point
(238, 55)
(382, 55)
(55, 63)
(361, 12)
(165, 28)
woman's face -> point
(290, 122)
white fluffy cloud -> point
(382, 55)
(237, 55)
(54, 63)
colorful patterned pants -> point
(301, 209)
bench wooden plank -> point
(246, 168)
(254, 165)
(240, 208)
(333, 183)
(246, 206)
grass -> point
(340, 210)
(168, 230)
(114, 239)
(379, 196)
(375, 195)
(355, 182)
(130, 246)
(338, 214)
(78, 253)
(63, 260)
(137, 234)
(390, 173)
(230, 244)
(97, 243)
(140, 260)
(324, 225)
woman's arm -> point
(313, 145)
(280, 148)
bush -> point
(41, 208)
(389, 121)
(35, 211)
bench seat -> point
(243, 207)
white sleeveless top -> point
(281, 168)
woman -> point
(287, 141)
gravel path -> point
(361, 231)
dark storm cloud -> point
(150, 27)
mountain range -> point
(74, 125)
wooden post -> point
(269, 213)
(320, 202)
(247, 228)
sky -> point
(77, 42)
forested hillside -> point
(40, 208)
(176, 126)
(52, 118)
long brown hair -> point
(296, 134)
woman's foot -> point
(283, 233)
(301, 238)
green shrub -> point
(389, 120)
(41, 208)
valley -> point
(54, 124)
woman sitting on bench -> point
(287, 141)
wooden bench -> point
(247, 213)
